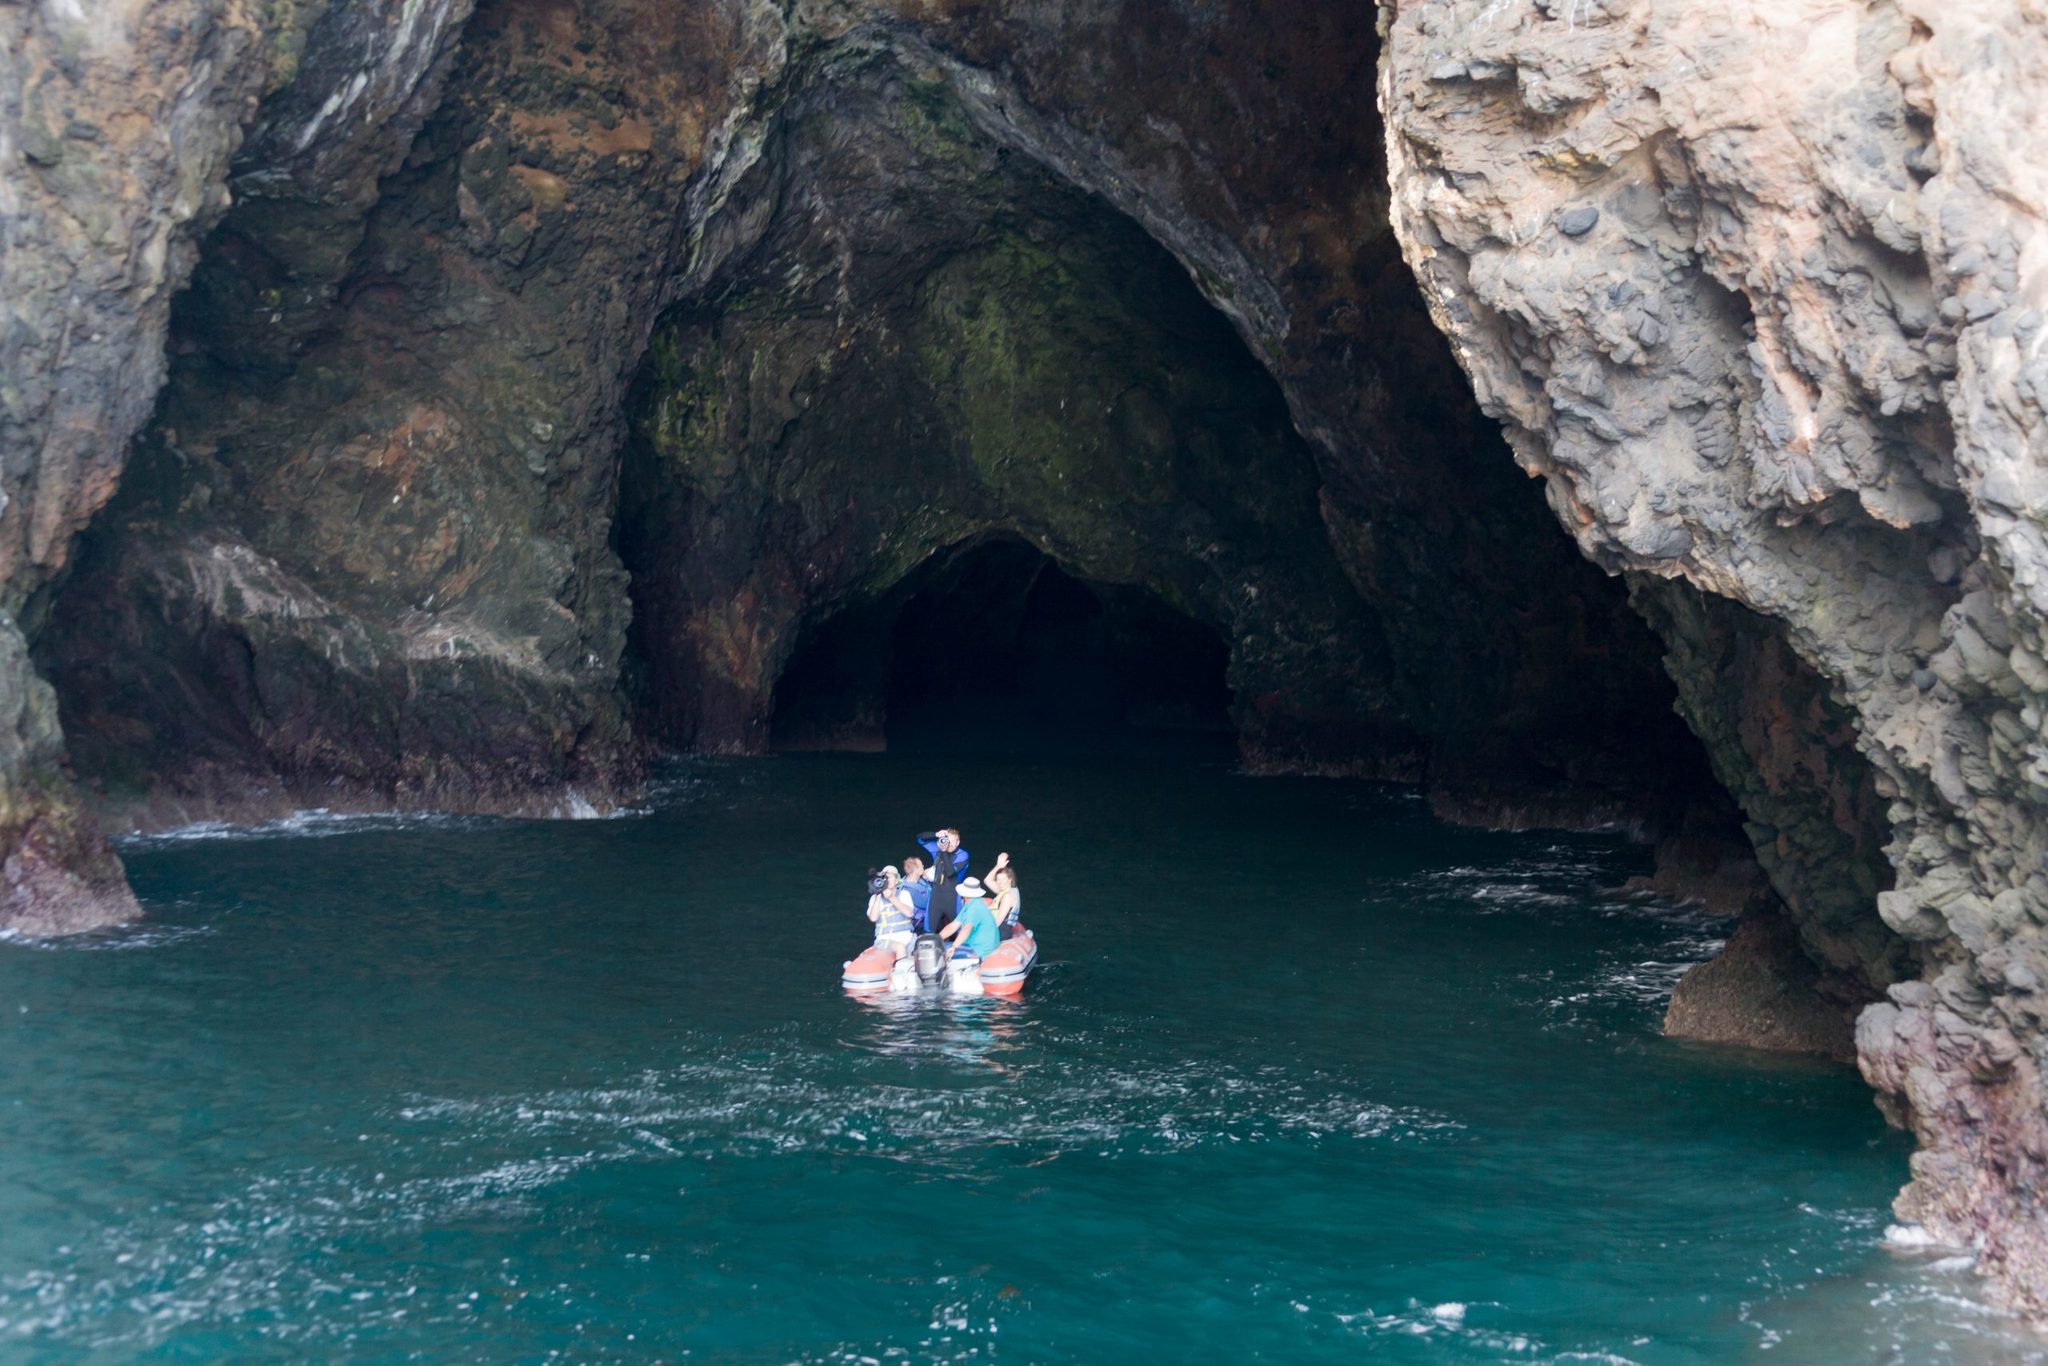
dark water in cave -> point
(1305, 1076)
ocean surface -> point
(1304, 1076)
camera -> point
(876, 882)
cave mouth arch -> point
(993, 639)
(1024, 380)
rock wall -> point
(932, 344)
(364, 557)
(117, 126)
(366, 554)
(1754, 289)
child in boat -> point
(890, 908)
(974, 930)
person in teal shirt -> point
(975, 930)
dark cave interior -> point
(994, 638)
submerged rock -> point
(1763, 991)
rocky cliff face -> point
(367, 551)
(116, 132)
(1754, 290)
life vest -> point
(893, 918)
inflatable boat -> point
(928, 968)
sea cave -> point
(1602, 436)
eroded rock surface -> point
(1754, 289)
(931, 344)
(117, 126)
(366, 554)
(364, 558)
(1763, 990)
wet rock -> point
(124, 125)
(1841, 416)
(59, 876)
(1763, 991)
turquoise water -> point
(1305, 1076)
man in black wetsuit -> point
(949, 861)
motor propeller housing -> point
(928, 955)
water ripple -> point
(740, 1107)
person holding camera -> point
(890, 908)
(949, 861)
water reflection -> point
(978, 1030)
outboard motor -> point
(928, 953)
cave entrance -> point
(995, 642)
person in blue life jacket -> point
(917, 884)
(890, 908)
(949, 864)
(974, 931)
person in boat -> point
(949, 862)
(973, 931)
(917, 882)
(1009, 902)
(891, 910)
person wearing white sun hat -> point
(974, 931)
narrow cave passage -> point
(994, 640)
(1024, 418)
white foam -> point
(316, 822)
(1910, 1236)
(1449, 1312)
(135, 935)
(572, 805)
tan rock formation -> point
(1753, 288)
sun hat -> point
(971, 888)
